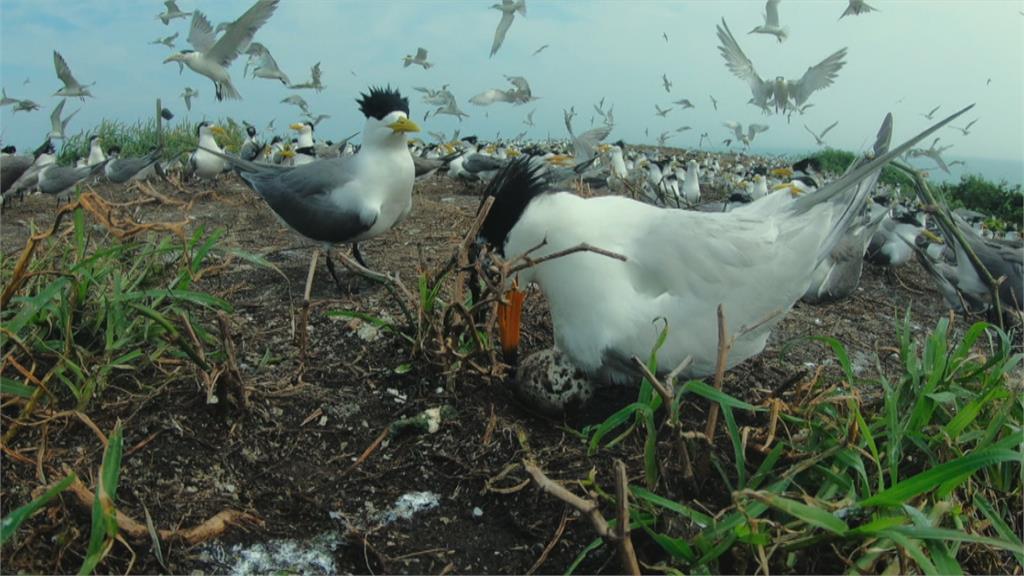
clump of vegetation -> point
(837, 161)
(925, 479)
(137, 139)
(976, 193)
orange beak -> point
(510, 313)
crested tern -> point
(819, 139)
(171, 12)
(188, 95)
(72, 88)
(856, 8)
(120, 170)
(420, 59)
(58, 125)
(212, 56)
(679, 265)
(771, 22)
(265, 66)
(314, 82)
(780, 93)
(752, 131)
(167, 40)
(508, 10)
(519, 94)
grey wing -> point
(499, 32)
(200, 34)
(585, 143)
(738, 63)
(772, 13)
(302, 197)
(831, 126)
(171, 6)
(421, 54)
(754, 129)
(519, 82)
(63, 71)
(489, 97)
(241, 31)
(818, 77)
(316, 73)
(55, 115)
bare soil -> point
(287, 459)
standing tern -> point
(771, 22)
(72, 88)
(120, 170)
(678, 266)
(213, 56)
(781, 93)
(508, 10)
(349, 198)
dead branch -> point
(551, 544)
(529, 262)
(623, 533)
(724, 344)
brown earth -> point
(286, 460)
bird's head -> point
(9, 150)
(387, 114)
(114, 151)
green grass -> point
(180, 138)
(927, 479)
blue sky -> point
(907, 58)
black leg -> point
(358, 255)
(330, 268)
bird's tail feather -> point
(227, 90)
(846, 190)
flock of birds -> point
(784, 233)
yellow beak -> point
(510, 315)
(932, 237)
(287, 153)
(172, 58)
(404, 125)
(296, 126)
(784, 172)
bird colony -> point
(619, 237)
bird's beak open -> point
(296, 126)
(404, 125)
(510, 312)
(932, 237)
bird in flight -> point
(72, 88)
(420, 59)
(820, 138)
(539, 50)
(666, 83)
(771, 22)
(508, 10)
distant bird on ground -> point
(120, 170)
(520, 94)
(966, 130)
(529, 118)
(167, 40)
(508, 14)
(781, 94)
(72, 88)
(172, 11)
(213, 56)
(684, 104)
(856, 8)
(420, 59)
(314, 82)
(204, 162)
(349, 198)
(188, 95)
(265, 65)
(663, 112)
(665, 83)
(819, 139)
(539, 50)
(296, 100)
(677, 265)
(60, 181)
(752, 131)
(713, 102)
(58, 125)
(25, 180)
(771, 22)
(932, 113)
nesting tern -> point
(29, 178)
(120, 170)
(508, 10)
(780, 93)
(212, 56)
(60, 181)
(771, 22)
(349, 198)
(204, 162)
(72, 88)
(678, 266)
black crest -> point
(807, 164)
(200, 126)
(382, 101)
(9, 150)
(513, 188)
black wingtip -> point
(380, 102)
(513, 188)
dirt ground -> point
(287, 459)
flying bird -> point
(420, 59)
(172, 11)
(665, 36)
(72, 88)
(665, 83)
(265, 66)
(213, 56)
(188, 95)
(752, 131)
(713, 102)
(25, 106)
(820, 138)
(5, 100)
(529, 118)
(676, 265)
(296, 100)
(58, 126)
(932, 113)
(684, 103)
(662, 112)
(539, 50)
(314, 82)
(519, 94)
(856, 8)
(781, 93)
(966, 129)
(771, 22)
(508, 14)
(167, 40)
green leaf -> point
(930, 479)
(702, 520)
(701, 389)
(612, 422)
(15, 388)
(9, 525)
(403, 368)
(677, 547)
(594, 545)
(1000, 526)
(809, 514)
